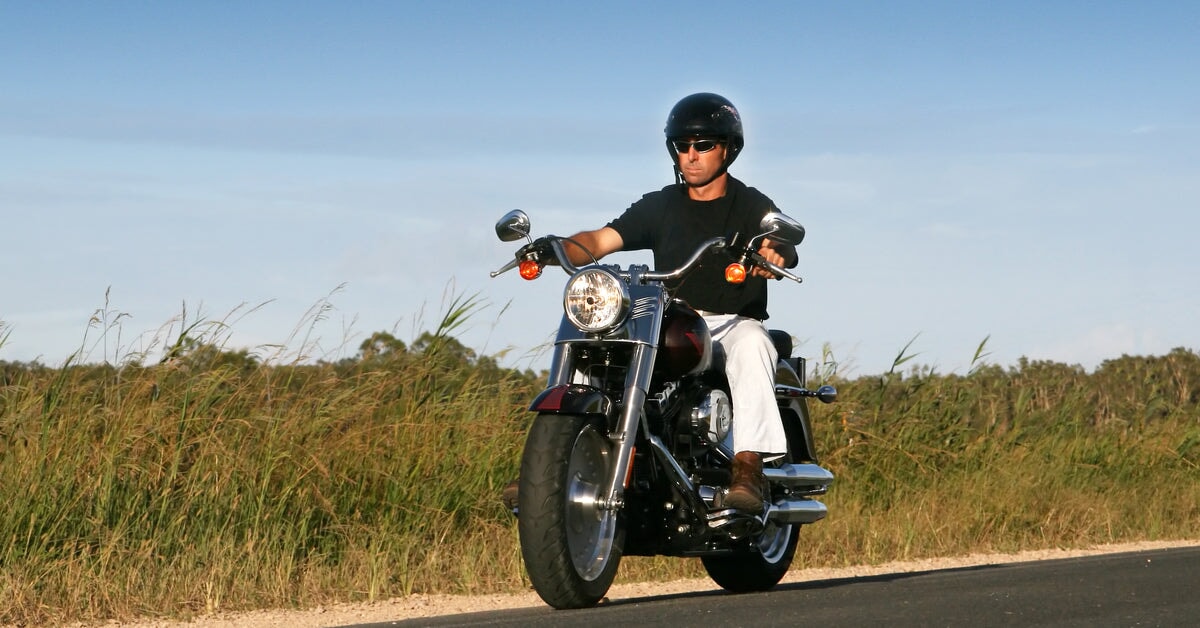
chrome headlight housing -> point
(596, 301)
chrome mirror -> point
(782, 228)
(513, 226)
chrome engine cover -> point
(712, 418)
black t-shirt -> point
(673, 226)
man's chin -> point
(699, 181)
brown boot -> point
(508, 496)
(745, 493)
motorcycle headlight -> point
(595, 300)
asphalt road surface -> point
(1151, 588)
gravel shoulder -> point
(416, 606)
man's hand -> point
(769, 252)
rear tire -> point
(765, 562)
(570, 546)
(759, 568)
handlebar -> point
(713, 244)
(536, 251)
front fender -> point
(578, 399)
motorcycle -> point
(630, 449)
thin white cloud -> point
(1089, 347)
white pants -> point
(750, 367)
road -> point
(1150, 588)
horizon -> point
(152, 346)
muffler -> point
(796, 511)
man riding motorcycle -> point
(704, 136)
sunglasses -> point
(701, 146)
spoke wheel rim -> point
(590, 529)
(773, 542)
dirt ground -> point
(416, 606)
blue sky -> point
(1026, 172)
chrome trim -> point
(636, 383)
(791, 392)
(797, 511)
(799, 476)
(643, 306)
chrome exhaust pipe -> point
(797, 511)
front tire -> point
(571, 546)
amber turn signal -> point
(530, 269)
(735, 273)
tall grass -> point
(217, 480)
(1038, 455)
(212, 481)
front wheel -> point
(571, 546)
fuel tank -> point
(686, 345)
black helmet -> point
(706, 115)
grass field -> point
(216, 480)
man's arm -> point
(598, 243)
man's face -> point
(700, 159)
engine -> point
(712, 418)
(704, 422)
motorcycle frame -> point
(569, 392)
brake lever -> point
(505, 268)
(779, 272)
